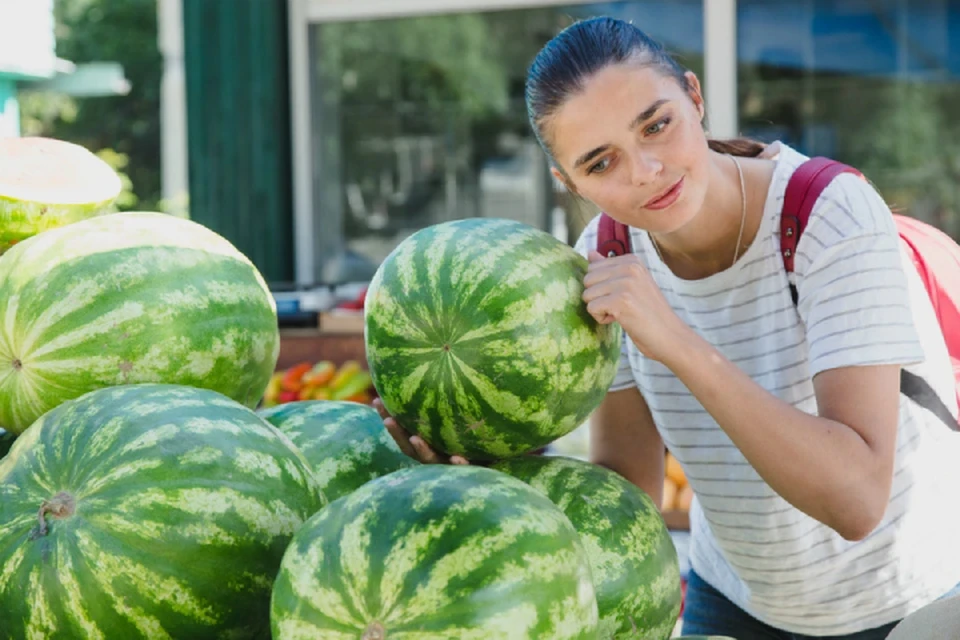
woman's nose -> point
(645, 168)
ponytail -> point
(741, 147)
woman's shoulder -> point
(849, 205)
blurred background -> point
(317, 134)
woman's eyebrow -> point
(645, 115)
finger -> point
(617, 284)
(401, 437)
(604, 269)
(597, 261)
(595, 256)
(424, 452)
(382, 410)
(603, 310)
(458, 460)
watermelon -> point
(147, 511)
(436, 552)
(129, 298)
(344, 442)
(47, 183)
(633, 560)
(6, 441)
(478, 340)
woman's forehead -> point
(608, 104)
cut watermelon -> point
(47, 183)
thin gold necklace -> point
(743, 216)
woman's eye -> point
(600, 167)
(657, 126)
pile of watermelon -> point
(147, 491)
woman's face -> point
(632, 143)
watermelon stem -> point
(374, 631)
(59, 506)
(17, 365)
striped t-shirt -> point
(860, 303)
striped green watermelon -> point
(344, 442)
(436, 552)
(478, 340)
(164, 513)
(6, 441)
(127, 298)
(47, 183)
(632, 557)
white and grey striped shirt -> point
(860, 302)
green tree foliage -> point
(124, 130)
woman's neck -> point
(706, 245)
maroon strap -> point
(613, 238)
(805, 186)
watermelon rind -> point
(633, 560)
(436, 551)
(130, 298)
(47, 183)
(147, 511)
(477, 338)
(344, 442)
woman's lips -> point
(666, 198)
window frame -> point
(720, 73)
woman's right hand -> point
(413, 445)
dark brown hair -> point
(588, 46)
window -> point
(419, 120)
(873, 83)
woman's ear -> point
(561, 177)
(693, 84)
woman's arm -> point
(624, 439)
(836, 467)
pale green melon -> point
(47, 183)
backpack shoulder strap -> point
(613, 238)
(804, 187)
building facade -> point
(353, 123)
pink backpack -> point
(935, 255)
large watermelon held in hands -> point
(436, 552)
(127, 298)
(632, 557)
(478, 340)
(147, 511)
(47, 183)
(344, 442)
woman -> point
(824, 502)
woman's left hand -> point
(620, 289)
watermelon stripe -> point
(344, 442)
(436, 552)
(633, 560)
(171, 543)
(478, 340)
(130, 298)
